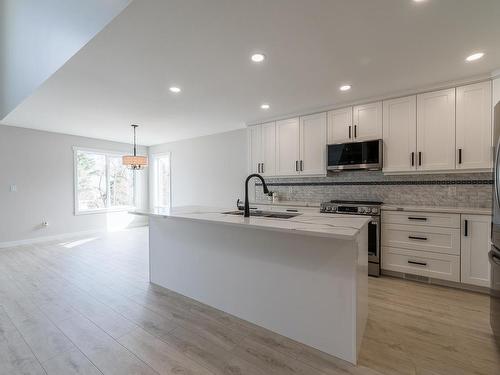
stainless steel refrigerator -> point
(494, 254)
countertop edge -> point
(310, 233)
(450, 210)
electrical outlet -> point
(13, 188)
(45, 223)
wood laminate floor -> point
(84, 306)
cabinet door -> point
(287, 147)
(400, 134)
(313, 144)
(474, 126)
(436, 130)
(268, 167)
(367, 121)
(255, 147)
(340, 126)
(475, 245)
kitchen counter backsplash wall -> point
(452, 190)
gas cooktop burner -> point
(339, 201)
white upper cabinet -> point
(400, 134)
(367, 121)
(436, 130)
(473, 126)
(340, 126)
(268, 167)
(255, 147)
(287, 147)
(262, 146)
(313, 144)
(475, 267)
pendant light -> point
(135, 161)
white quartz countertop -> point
(451, 210)
(344, 227)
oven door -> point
(374, 246)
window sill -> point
(105, 210)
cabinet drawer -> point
(438, 266)
(433, 239)
(432, 219)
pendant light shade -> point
(135, 162)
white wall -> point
(38, 37)
(41, 165)
(208, 170)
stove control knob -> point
(361, 210)
(328, 208)
(374, 210)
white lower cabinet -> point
(422, 263)
(475, 239)
(444, 246)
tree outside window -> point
(102, 182)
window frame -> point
(107, 154)
(154, 164)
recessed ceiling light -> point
(265, 106)
(474, 56)
(345, 88)
(258, 57)
(175, 89)
(419, 1)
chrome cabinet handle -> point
(301, 165)
(296, 165)
(417, 263)
(413, 159)
(349, 131)
(355, 131)
(262, 168)
(459, 156)
(420, 158)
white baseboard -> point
(62, 236)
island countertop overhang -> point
(309, 222)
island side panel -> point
(361, 287)
(302, 287)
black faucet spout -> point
(264, 187)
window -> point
(102, 183)
(161, 165)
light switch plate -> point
(13, 188)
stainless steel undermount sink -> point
(270, 214)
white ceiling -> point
(203, 46)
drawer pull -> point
(290, 210)
(417, 238)
(417, 263)
(417, 218)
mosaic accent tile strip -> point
(371, 183)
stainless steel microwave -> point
(355, 155)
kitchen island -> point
(304, 277)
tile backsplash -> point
(453, 190)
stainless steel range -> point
(365, 208)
